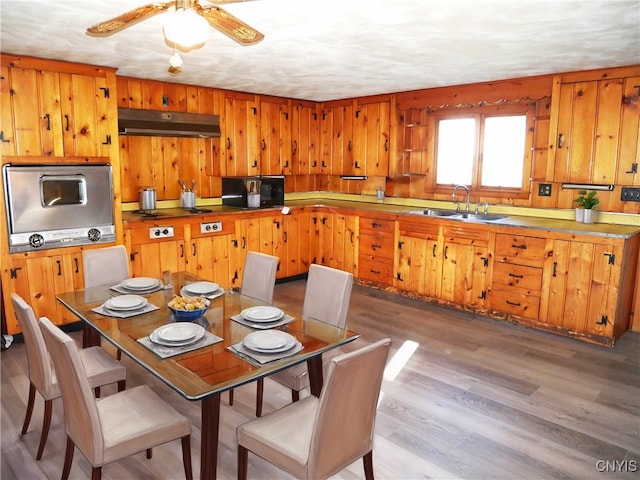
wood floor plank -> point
(477, 399)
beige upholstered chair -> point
(100, 367)
(114, 427)
(105, 266)
(259, 276)
(258, 281)
(317, 437)
(326, 298)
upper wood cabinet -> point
(586, 126)
(275, 137)
(327, 145)
(412, 141)
(371, 142)
(240, 136)
(629, 164)
(48, 113)
(305, 149)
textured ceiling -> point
(332, 49)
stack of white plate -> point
(126, 303)
(177, 334)
(200, 289)
(141, 284)
(269, 341)
(262, 314)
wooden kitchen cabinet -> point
(371, 134)
(38, 278)
(298, 250)
(419, 259)
(465, 261)
(240, 136)
(150, 255)
(324, 165)
(261, 232)
(212, 254)
(589, 287)
(376, 250)
(517, 275)
(338, 238)
(585, 132)
(629, 164)
(56, 113)
(412, 142)
(305, 131)
(275, 137)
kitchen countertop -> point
(538, 223)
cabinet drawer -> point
(520, 249)
(521, 277)
(377, 225)
(379, 245)
(375, 269)
(515, 303)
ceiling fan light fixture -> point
(185, 28)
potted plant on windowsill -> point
(587, 203)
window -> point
(484, 151)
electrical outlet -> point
(630, 194)
(544, 190)
(161, 232)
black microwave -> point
(237, 191)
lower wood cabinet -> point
(213, 254)
(419, 258)
(152, 254)
(38, 277)
(376, 250)
(338, 240)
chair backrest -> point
(327, 295)
(105, 266)
(345, 420)
(81, 419)
(40, 372)
(259, 276)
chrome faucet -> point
(453, 195)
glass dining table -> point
(203, 374)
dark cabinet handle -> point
(264, 145)
(446, 249)
(560, 140)
(59, 267)
(2, 139)
(351, 237)
(294, 150)
(255, 164)
(48, 118)
(516, 276)
(75, 260)
(375, 246)
(433, 252)
(349, 146)
(181, 251)
(194, 251)
(228, 143)
(555, 269)
(519, 247)
(67, 125)
(386, 145)
(377, 272)
(515, 304)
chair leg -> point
(259, 396)
(122, 384)
(231, 397)
(367, 460)
(295, 395)
(96, 473)
(186, 457)
(46, 423)
(30, 403)
(243, 457)
(97, 392)
(149, 453)
(68, 458)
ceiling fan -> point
(219, 19)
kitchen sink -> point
(480, 217)
(434, 212)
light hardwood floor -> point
(477, 399)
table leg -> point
(209, 436)
(314, 367)
(90, 338)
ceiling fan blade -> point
(127, 19)
(231, 26)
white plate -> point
(140, 283)
(269, 341)
(262, 313)
(215, 294)
(126, 302)
(177, 330)
(201, 288)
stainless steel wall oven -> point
(52, 206)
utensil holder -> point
(187, 200)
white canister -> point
(187, 200)
(147, 199)
(253, 200)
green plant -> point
(587, 200)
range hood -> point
(133, 121)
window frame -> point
(481, 113)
